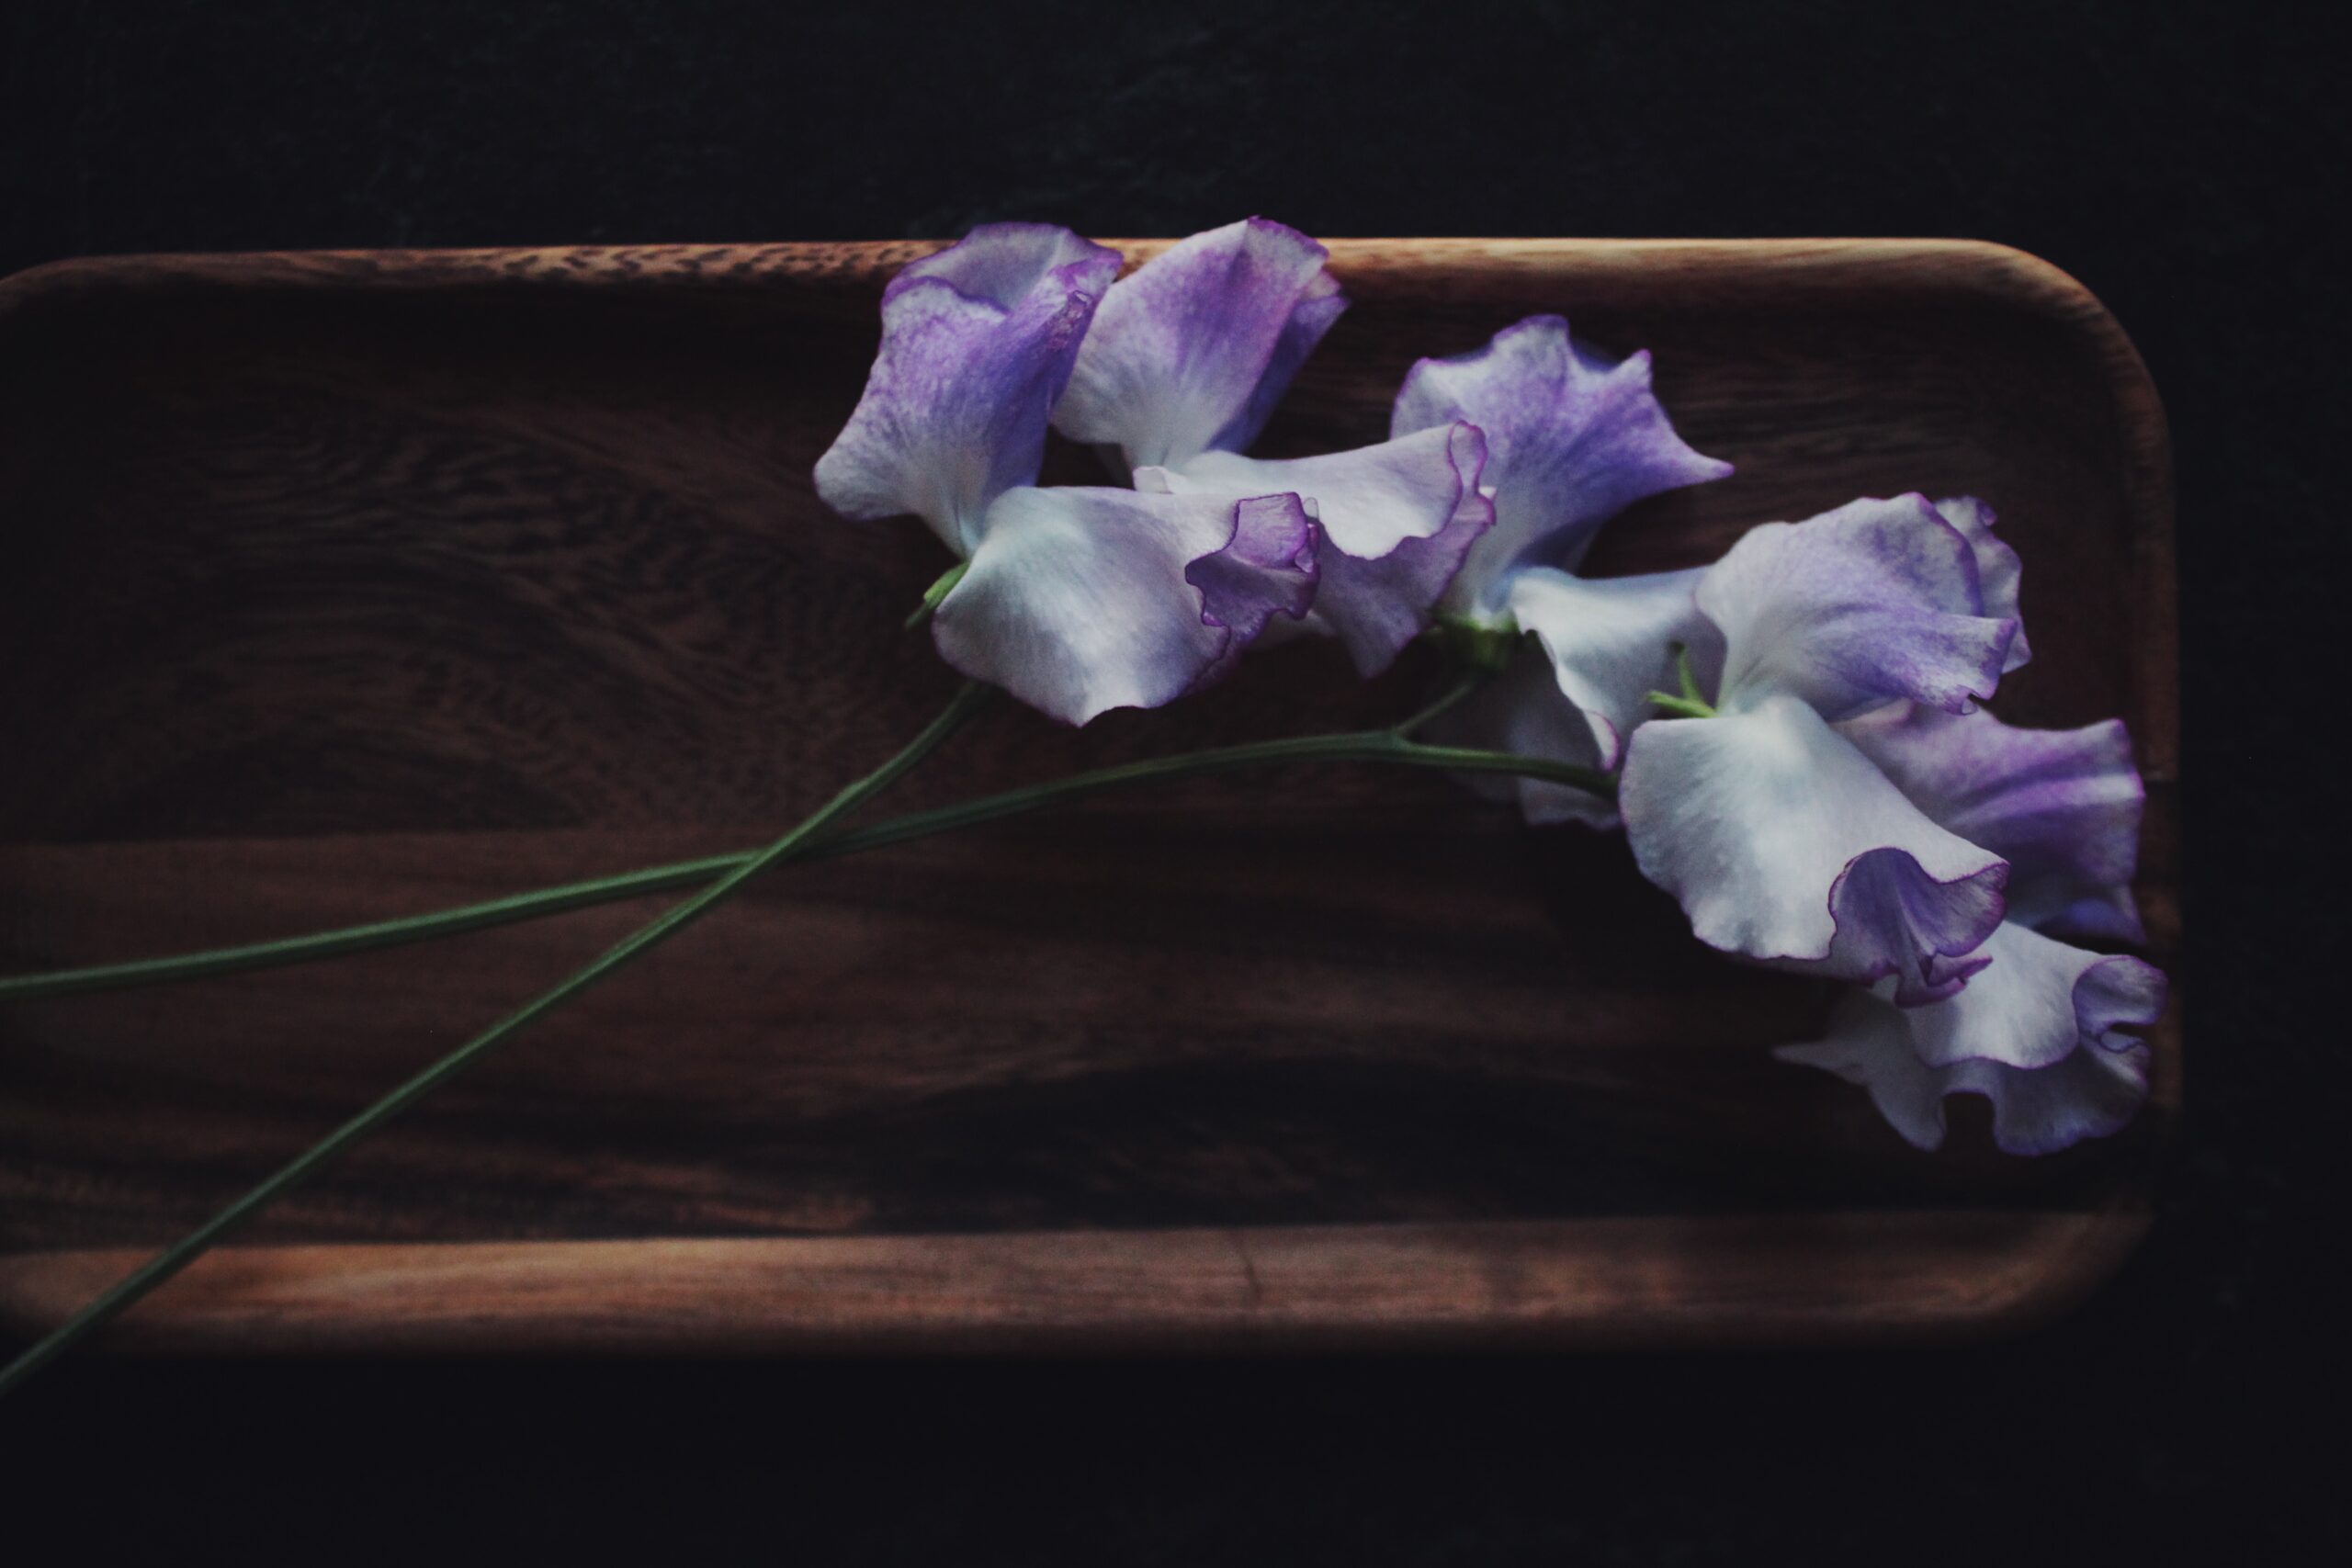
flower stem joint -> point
(1688, 703)
(1482, 646)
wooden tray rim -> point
(1586, 1282)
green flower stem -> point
(937, 591)
(186, 1251)
(1362, 745)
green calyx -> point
(1483, 646)
(936, 591)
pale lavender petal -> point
(1875, 601)
(1573, 438)
(1320, 304)
(1522, 710)
(1397, 520)
(1611, 642)
(2063, 806)
(977, 342)
(1783, 843)
(2091, 1092)
(1998, 570)
(2036, 1000)
(1191, 353)
(1081, 600)
(2110, 914)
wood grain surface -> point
(347, 585)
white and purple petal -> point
(1191, 353)
(2063, 806)
(1573, 438)
(1782, 842)
(1998, 570)
(1080, 600)
(1611, 642)
(2035, 1000)
(2090, 1090)
(977, 342)
(1397, 519)
(1875, 601)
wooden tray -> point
(348, 585)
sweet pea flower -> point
(1185, 361)
(1074, 599)
(1573, 438)
(2040, 1031)
(1781, 839)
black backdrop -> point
(2185, 164)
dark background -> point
(2188, 165)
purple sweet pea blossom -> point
(1875, 601)
(2040, 1032)
(1784, 844)
(1192, 352)
(2091, 1092)
(1075, 600)
(1781, 839)
(978, 342)
(1082, 600)
(1397, 519)
(1187, 358)
(1573, 438)
(2062, 805)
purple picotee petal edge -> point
(1397, 519)
(2089, 1091)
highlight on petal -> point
(977, 342)
(1080, 600)
(1998, 570)
(2063, 806)
(1782, 842)
(1522, 710)
(1873, 603)
(1611, 642)
(1573, 438)
(1397, 519)
(1191, 353)
(2089, 1091)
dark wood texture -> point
(347, 586)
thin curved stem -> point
(188, 1249)
(1470, 681)
(1386, 746)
